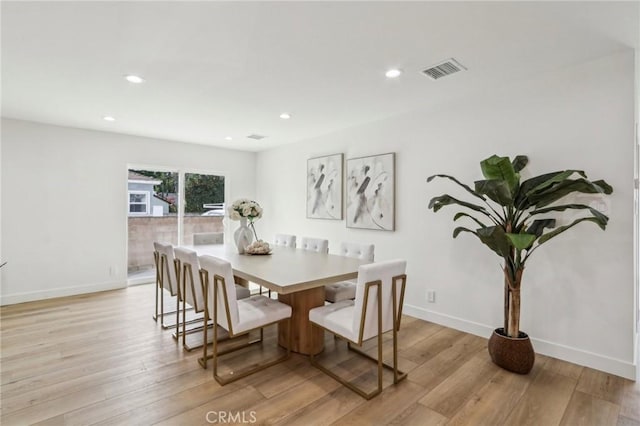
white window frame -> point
(147, 203)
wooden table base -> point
(303, 340)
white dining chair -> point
(344, 290)
(377, 309)
(285, 240)
(203, 238)
(165, 281)
(315, 244)
(238, 317)
(188, 267)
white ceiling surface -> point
(229, 69)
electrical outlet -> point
(431, 296)
(113, 271)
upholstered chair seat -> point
(376, 309)
(238, 317)
(344, 290)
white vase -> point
(243, 236)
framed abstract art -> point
(324, 187)
(371, 192)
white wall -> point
(64, 203)
(578, 290)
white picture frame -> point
(370, 193)
(324, 187)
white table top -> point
(286, 270)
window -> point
(139, 202)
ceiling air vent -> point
(443, 69)
(256, 137)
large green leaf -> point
(537, 227)
(520, 162)
(463, 214)
(466, 187)
(562, 189)
(437, 203)
(496, 190)
(557, 178)
(500, 168)
(546, 237)
(564, 207)
(606, 188)
(460, 229)
(521, 200)
(495, 238)
(521, 241)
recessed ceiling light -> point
(108, 118)
(393, 73)
(134, 79)
(228, 138)
(285, 116)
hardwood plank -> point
(287, 403)
(564, 368)
(455, 390)
(326, 410)
(630, 406)
(601, 385)
(179, 402)
(626, 421)
(586, 410)
(237, 404)
(544, 402)
(491, 404)
(66, 361)
(431, 373)
(385, 407)
(419, 415)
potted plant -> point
(513, 219)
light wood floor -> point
(101, 359)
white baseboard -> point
(11, 299)
(566, 353)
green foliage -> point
(199, 189)
(512, 208)
(202, 189)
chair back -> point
(387, 272)
(203, 238)
(285, 240)
(315, 244)
(358, 251)
(227, 307)
(166, 267)
(189, 268)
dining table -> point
(298, 277)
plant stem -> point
(254, 230)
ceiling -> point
(219, 69)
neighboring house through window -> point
(143, 199)
(139, 202)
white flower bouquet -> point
(247, 209)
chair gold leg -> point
(397, 374)
(380, 365)
(155, 315)
(162, 307)
(259, 367)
